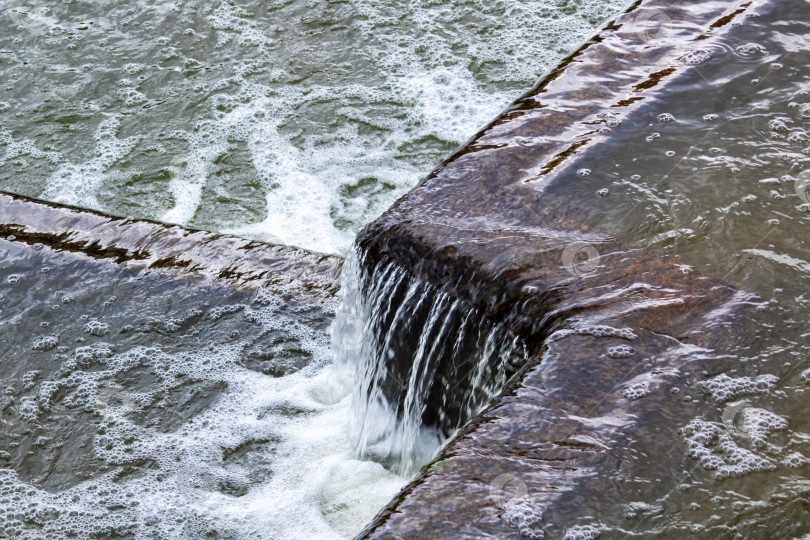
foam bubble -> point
(97, 328)
(582, 532)
(621, 351)
(760, 423)
(794, 460)
(521, 514)
(724, 388)
(636, 391)
(45, 343)
(716, 450)
(25, 147)
(602, 330)
(750, 50)
(79, 184)
(698, 56)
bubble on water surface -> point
(519, 513)
(621, 351)
(635, 391)
(714, 448)
(45, 343)
(698, 56)
(582, 532)
(601, 330)
(794, 460)
(750, 50)
(724, 388)
(97, 328)
(758, 424)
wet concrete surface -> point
(626, 420)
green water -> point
(295, 121)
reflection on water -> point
(289, 121)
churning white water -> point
(285, 121)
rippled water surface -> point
(140, 407)
(297, 121)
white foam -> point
(189, 173)
(522, 514)
(78, 184)
(635, 391)
(582, 532)
(716, 450)
(25, 147)
(330, 152)
(760, 423)
(303, 482)
(724, 388)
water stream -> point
(144, 407)
(425, 363)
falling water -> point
(425, 363)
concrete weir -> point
(568, 448)
(582, 380)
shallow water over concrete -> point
(640, 220)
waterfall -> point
(424, 362)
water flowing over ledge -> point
(645, 381)
(158, 248)
(425, 363)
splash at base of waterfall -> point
(425, 363)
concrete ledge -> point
(158, 248)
